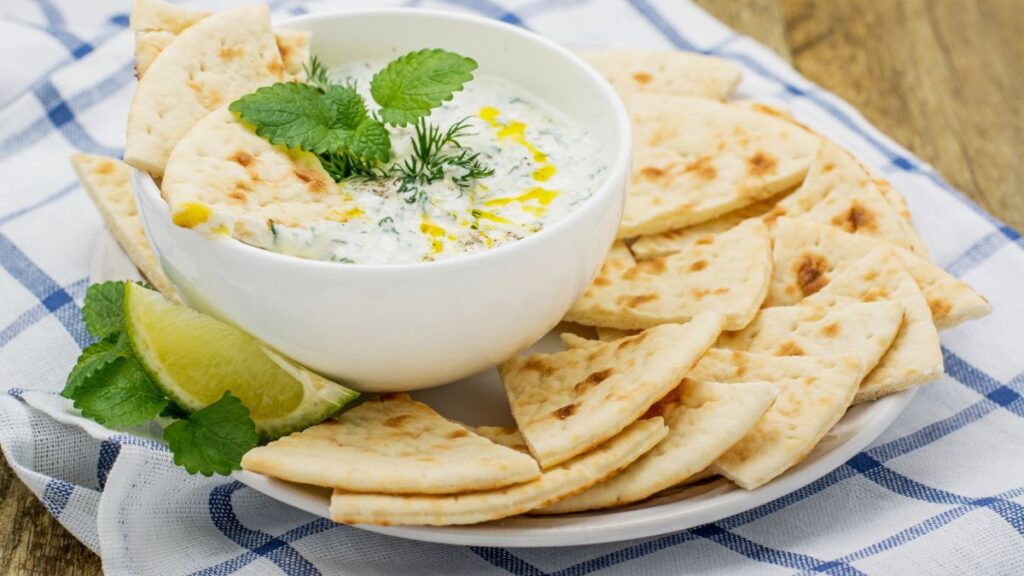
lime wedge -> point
(194, 359)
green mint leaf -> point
(214, 439)
(119, 394)
(348, 107)
(104, 309)
(173, 411)
(412, 85)
(370, 141)
(290, 114)
(92, 359)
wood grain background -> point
(942, 77)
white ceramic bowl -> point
(404, 327)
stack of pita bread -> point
(764, 281)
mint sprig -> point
(411, 86)
(214, 439)
(110, 386)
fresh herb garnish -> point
(332, 120)
(110, 386)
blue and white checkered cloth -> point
(941, 492)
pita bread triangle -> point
(673, 241)
(554, 484)
(568, 402)
(667, 72)
(156, 24)
(839, 191)
(392, 444)
(915, 356)
(108, 183)
(223, 178)
(709, 160)
(704, 420)
(814, 393)
(863, 329)
(208, 65)
(808, 255)
(727, 273)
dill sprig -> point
(434, 150)
(317, 74)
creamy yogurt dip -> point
(544, 167)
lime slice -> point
(195, 359)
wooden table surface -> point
(942, 77)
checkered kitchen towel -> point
(942, 492)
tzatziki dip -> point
(383, 163)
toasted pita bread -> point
(839, 191)
(223, 178)
(808, 255)
(208, 65)
(709, 160)
(727, 273)
(156, 24)
(554, 484)
(393, 445)
(814, 393)
(108, 183)
(704, 420)
(863, 329)
(667, 72)
(673, 241)
(567, 403)
(915, 356)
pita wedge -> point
(156, 24)
(673, 241)
(704, 420)
(568, 402)
(915, 356)
(808, 255)
(814, 393)
(394, 445)
(208, 65)
(710, 159)
(667, 72)
(839, 191)
(728, 273)
(108, 183)
(863, 329)
(554, 484)
(224, 178)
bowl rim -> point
(619, 167)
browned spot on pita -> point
(313, 180)
(828, 167)
(789, 349)
(592, 380)
(939, 308)
(283, 49)
(634, 301)
(700, 293)
(875, 294)
(706, 240)
(856, 218)
(830, 330)
(105, 167)
(230, 52)
(565, 411)
(665, 405)
(702, 168)
(761, 164)
(539, 366)
(810, 272)
(276, 68)
(652, 266)
(643, 77)
(651, 172)
(243, 158)
(397, 421)
(698, 265)
(237, 195)
(458, 434)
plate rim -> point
(109, 262)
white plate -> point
(480, 399)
